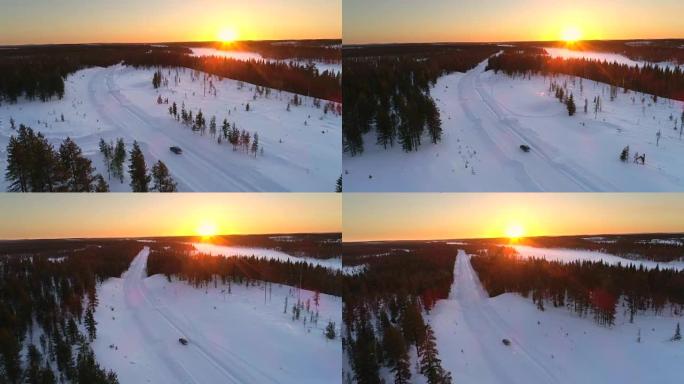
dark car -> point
(183, 341)
(525, 148)
(506, 342)
(176, 150)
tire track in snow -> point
(203, 174)
(483, 321)
(581, 177)
(138, 297)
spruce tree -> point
(137, 169)
(570, 104)
(77, 170)
(163, 182)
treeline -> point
(646, 50)
(389, 92)
(319, 50)
(39, 72)
(651, 79)
(587, 288)
(200, 269)
(383, 310)
(46, 301)
(33, 165)
(313, 245)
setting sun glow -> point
(227, 35)
(515, 231)
(207, 229)
(571, 34)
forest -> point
(630, 246)
(647, 50)
(319, 50)
(199, 269)
(384, 306)
(649, 78)
(387, 90)
(34, 165)
(589, 289)
(49, 295)
(38, 72)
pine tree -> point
(212, 126)
(338, 185)
(77, 170)
(137, 169)
(430, 364)
(330, 330)
(255, 144)
(162, 179)
(678, 335)
(107, 151)
(100, 184)
(624, 155)
(119, 159)
(570, 104)
(91, 325)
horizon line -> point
(505, 41)
(521, 237)
(162, 236)
(164, 42)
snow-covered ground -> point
(228, 251)
(247, 55)
(553, 346)
(302, 148)
(233, 338)
(601, 56)
(487, 116)
(570, 255)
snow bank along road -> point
(551, 346)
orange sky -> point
(133, 21)
(387, 21)
(155, 214)
(397, 216)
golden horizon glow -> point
(43, 216)
(207, 229)
(514, 231)
(228, 35)
(438, 216)
(161, 21)
(382, 21)
(571, 34)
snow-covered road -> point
(201, 361)
(486, 117)
(470, 332)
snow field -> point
(241, 337)
(553, 346)
(301, 147)
(487, 116)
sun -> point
(227, 35)
(207, 229)
(515, 231)
(571, 34)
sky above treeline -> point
(425, 216)
(135, 21)
(42, 216)
(401, 21)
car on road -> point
(183, 341)
(176, 150)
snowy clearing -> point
(570, 255)
(486, 117)
(601, 56)
(142, 318)
(553, 346)
(301, 148)
(247, 55)
(228, 251)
